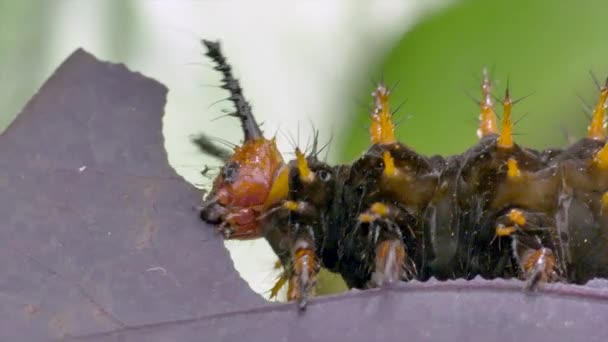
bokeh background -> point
(313, 64)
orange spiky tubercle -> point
(505, 140)
(597, 128)
(382, 129)
(487, 116)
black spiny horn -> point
(243, 109)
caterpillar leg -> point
(300, 275)
(529, 234)
(305, 268)
(538, 265)
(391, 262)
(290, 232)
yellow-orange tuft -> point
(305, 174)
(517, 217)
(379, 209)
(605, 201)
(505, 231)
(389, 164)
(366, 218)
(280, 187)
(290, 205)
(513, 171)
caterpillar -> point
(498, 210)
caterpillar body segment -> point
(297, 227)
(495, 179)
(582, 222)
(385, 195)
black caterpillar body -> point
(497, 210)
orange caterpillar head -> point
(254, 175)
(248, 183)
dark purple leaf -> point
(98, 233)
(434, 311)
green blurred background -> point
(545, 48)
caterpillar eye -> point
(323, 175)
